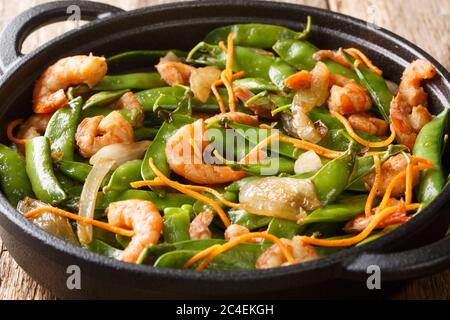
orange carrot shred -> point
(375, 187)
(10, 129)
(358, 55)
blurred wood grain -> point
(425, 23)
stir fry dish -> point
(254, 150)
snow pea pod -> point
(141, 58)
(61, 130)
(125, 174)
(144, 133)
(168, 200)
(39, 168)
(255, 84)
(284, 228)
(130, 81)
(157, 150)
(103, 248)
(176, 224)
(248, 220)
(255, 62)
(279, 71)
(345, 208)
(237, 185)
(254, 34)
(428, 145)
(74, 169)
(332, 179)
(299, 54)
(13, 176)
(103, 98)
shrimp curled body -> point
(199, 227)
(96, 132)
(48, 94)
(143, 217)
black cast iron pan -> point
(414, 249)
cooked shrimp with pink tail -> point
(129, 102)
(273, 257)
(97, 132)
(184, 153)
(368, 124)
(49, 95)
(408, 111)
(174, 72)
(141, 216)
(199, 227)
(347, 96)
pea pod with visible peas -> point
(61, 130)
(39, 167)
(130, 81)
(256, 35)
(13, 176)
(428, 145)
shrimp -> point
(174, 72)
(273, 257)
(140, 215)
(185, 157)
(34, 126)
(347, 96)
(96, 132)
(299, 80)
(393, 166)
(236, 230)
(238, 117)
(129, 102)
(336, 56)
(408, 111)
(199, 227)
(360, 222)
(307, 99)
(261, 107)
(48, 94)
(368, 124)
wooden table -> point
(426, 23)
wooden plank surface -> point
(425, 23)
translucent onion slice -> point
(89, 196)
(307, 162)
(121, 152)
(201, 80)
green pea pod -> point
(375, 85)
(125, 174)
(103, 248)
(332, 179)
(322, 114)
(338, 140)
(103, 98)
(237, 185)
(255, 84)
(428, 145)
(157, 150)
(365, 165)
(81, 90)
(168, 200)
(145, 133)
(176, 224)
(13, 176)
(255, 34)
(248, 220)
(200, 206)
(74, 169)
(61, 130)
(141, 58)
(279, 71)
(255, 62)
(299, 54)
(345, 208)
(130, 81)
(284, 228)
(40, 170)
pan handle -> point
(21, 26)
(403, 265)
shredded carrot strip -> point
(178, 186)
(218, 97)
(262, 144)
(223, 46)
(227, 74)
(234, 242)
(361, 236)
(202, 254)
(305, 145)
(159, 183)
(265, 126)
(10, 129)
(375, 187)
(409, 183)
(358, 55)
(360, 140)
(38, 211)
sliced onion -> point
(121, 152)
(49, 222)
(307, 162)
(285, 198)
(89, 196)
(392, 86)
(201, 80)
